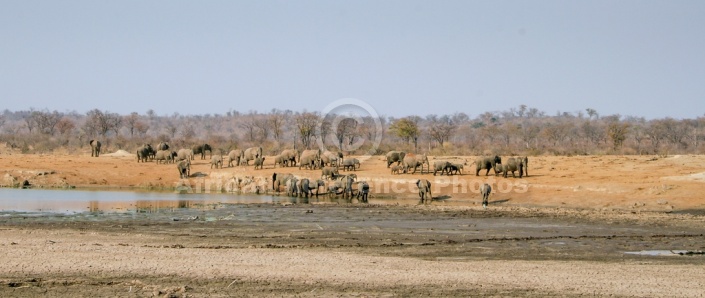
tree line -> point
(517, 131)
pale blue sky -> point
(640, 58)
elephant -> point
(289, 156)
(165, 155)
(184, 168)
(95, 147)
(201, 149)
(348, 186)
(329, 172)
(397, 169)
(279, 160)
(414, 161)
(306, 185)
(304, 188)
(456, 168)
(310, 158)
(487, 163)
(512, 165)
(395, 156)
(353, 163)
(183, 154)
(330, 158)
(279, 180)
(251, 154)
(144, 152)
(525, 165)
(217, 161)
(485, 190)
(363, 190)
(342, 183)
(424, 190)
(259, 162)
(234, 155)
(162, 146)
(292, 189)
(441, 166)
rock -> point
(662, 202)
(10, 181)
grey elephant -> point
(306, 186)
(363, 190)
(351, 163)
(279, 180)
(424, 190)
(397, 169)
(184, 168)
(329, 158)
(512, 165)
(165, 156)
(251, 153)
(441, 166)
(201, 149)
(414, 161)
(259, 162)
(162, 146)
(329, 172)
(487, 163)
(456, 168)
(525, 165)
(217, 161)
(485, 190)
(292, 188)
(95, 148)
(289, 156)
(310, 158)
(280, 160)
(183, 154)
(144, 153)
(348, 187)
(395, 156)
(235, 155)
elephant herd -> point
(304, 187)
(330, 164)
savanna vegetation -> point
(521, 131)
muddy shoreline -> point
(311, 250)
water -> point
(73, 201)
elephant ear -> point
(418, 182)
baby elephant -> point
(485, 190)
(424, 190)
(397, 169)
(184, 168)
(217, 161)
(259, 162)
(363, 189)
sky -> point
(638, 58)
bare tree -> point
(306, 123)
(616, 131)
(46, 121)
(277, 122)
(131, 121)
(249, 124)
(65, 125)
(441, 128)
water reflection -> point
(73, 201)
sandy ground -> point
(563, 231)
